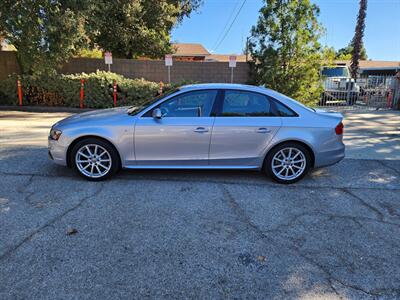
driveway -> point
(195, 234)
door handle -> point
(263, 130)
(201, 129)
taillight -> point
(339, 128)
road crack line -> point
(330, 278)
(244, 218)
(49, 223)
(389, 167)
(240, 213)
(370, 207)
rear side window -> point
(284, 111)
(245, 104)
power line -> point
(226, 24)
(230, 26)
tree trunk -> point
(357, 41)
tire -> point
(298, 167)
(95, 159)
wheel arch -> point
(302, 143)
(77, 140)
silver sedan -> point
(203, 126)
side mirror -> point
(157, 113)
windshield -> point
(133, 110)
(335, 72)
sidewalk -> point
(372, 135)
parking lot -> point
(200, 234)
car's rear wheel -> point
(287, 163)
(95, 159)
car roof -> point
(293, 104)
(233, 86)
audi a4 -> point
(202, 126)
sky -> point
(381, 39)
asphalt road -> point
(192, 234)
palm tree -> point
(357, 42)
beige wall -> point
(8, 63)
(153, 70)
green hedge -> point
(64, 90)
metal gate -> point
(371, 92)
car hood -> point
(96, 116)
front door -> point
(243, 129)
(182, 136)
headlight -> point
(55, 134)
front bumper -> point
(57, 152)
(50, 155)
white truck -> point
(339, 87)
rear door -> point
(243, 128)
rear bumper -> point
(328, 158)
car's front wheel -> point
(288, 163)
(95, 159)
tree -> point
(345, 53)
(357, 42)
(45, 33)
(136, 28)
(90, 53)
(285, 50)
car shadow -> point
(348, 173)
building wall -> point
(153, 70)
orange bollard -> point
(19, 92)
(82, 95)
(160, 91)
(115, 93)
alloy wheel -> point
(93, 161)
(288, 163)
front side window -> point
(137, 109)
(191, 104)
(246, 104)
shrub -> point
(64, 90)
(9, 91)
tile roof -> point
(372, 63)
(225, 57)
(189, 50)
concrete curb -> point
(43, 109)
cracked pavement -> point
(192, 234)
